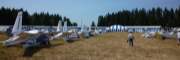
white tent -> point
(117, 28)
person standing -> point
(178, 37)
(130, 39)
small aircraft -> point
(84, 32)
(17, 29)
(149, 34)
(40, 39)
(167, 34)
(58, 31)
(17, 33)
(63, 32)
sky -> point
(85, 11)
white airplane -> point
(71, 33)
(59, 26)
(84, 31)
(149, 34)
(96, 31)
(67, 35)
(167, 34)
(59, 29)
(65, 27)
(17, 29)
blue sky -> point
(85, 11)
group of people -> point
(131, 38)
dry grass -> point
(110, 46)
(3, 36)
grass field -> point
(109, 46)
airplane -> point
(149, 34)
(59, 26)
(84, 32)
(38, 40)
(63, 32)
(167, 34)
(95, 32)
(17, 29)
(58, 31)
(163, 33)
(70, 35)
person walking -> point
(130, 39)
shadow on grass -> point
(30, 51)
(70, 41)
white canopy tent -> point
(117, 28)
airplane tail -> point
(59, 26)
(17, 28)
(65, 27)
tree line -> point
(8, 16)
(142, 17)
